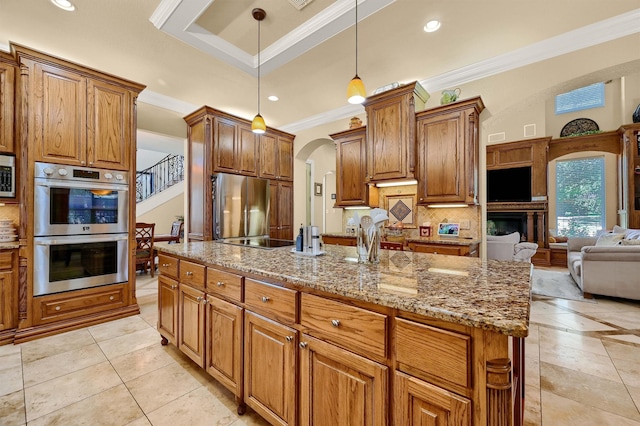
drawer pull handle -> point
(265, 299)
(303, 345)
(111, 297)
(289, 338)
(189, 273)
(166, 265)
(220, 284)
(205, 301)
(335, 323)
(198, 299)
(57, 308)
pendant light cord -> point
(356, 37)
(259, 67)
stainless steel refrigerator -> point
(240, 206)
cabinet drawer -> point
(6, 259)
(353, 328)
(435, 249)
(224, 284)
(192, 273)
(74, 304)
(426, 352)
(275, 302)
(168, 265)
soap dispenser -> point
(300, 239)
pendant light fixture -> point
(355, 91)
(258, 125)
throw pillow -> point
(602, 232)
(635, 242)
(619, 230)
(632, 234)
(609, 239)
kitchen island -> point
(299, 338)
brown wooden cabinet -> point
(276, 155)
(443, 248)
(391, 124)
(191, 325)
(235, 147)
(270, 369)
(7, 103)
(630, 135)
(351, 161)
(168, 309)
(221, 142)
(8, 294)
(447, 153)
(338, 387)
(82, 120)
(281, 210)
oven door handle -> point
(52, 241)
(83, 185)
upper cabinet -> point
(276, 155)
(235, 147)
(351, 186)
(447, 152)
(391, 124)
(7, 101)
(77, 116)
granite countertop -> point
(492, 295)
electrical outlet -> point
(464, 224)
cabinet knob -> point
(289, 338)
(220, 284)
(265, 299)
(189, 273)
(335, 323)
(303, 345)
(173, 286)
(199, 299)
(57, 308)
(111, 297)
(166, 265)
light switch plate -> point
(464, 224)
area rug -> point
(556, 284)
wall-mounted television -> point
(509, 185)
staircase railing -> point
(157, 178)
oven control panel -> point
(87, 174)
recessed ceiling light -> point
(64, 4)
(273, 98)
(432, 26)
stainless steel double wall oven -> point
(81, 224)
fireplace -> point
(507, 223)
(506, 219)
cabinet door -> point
(285, 158)
(7, 103)
(441, 159)
(274, 231)
(224, 343)
(247, 151)
(6, 300)
(109, 116)
(199, 180)
(270, 369)
(351, 162)
(224, 145)
(60, 102)
(268, 156)
(338, 387)
(418, 403)
(168, 308)
(285, 210)
(387, 140)
(191, 313)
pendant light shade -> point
(356, 92)
(258, 125)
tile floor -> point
(583, 368)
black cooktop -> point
(259, 242)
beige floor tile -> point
(629, 370)
(623, 338)
(10, 373)
(47, 397)
(541, 307)
(197, 408)
(626, 320)
(9, 349)
(158, 388)
(140, 362)
(534, 334)
(130, 342)
(622, 350)
(606, 395)
(532, 370)
(113, 407)
(532, 413)
(569, 321)
(556, 338)
(635, 394)
(61, 364)
(602, 305)
(111, 329)
(557, 411)
(53, 345)
(12, 409)
(250, 418)
(577, 360)
(142, 421)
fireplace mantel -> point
(532, 206)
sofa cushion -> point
(635, 242)
(514, 237)
(609, 239)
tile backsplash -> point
(11, 211)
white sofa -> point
(509, 247)
(608, 265)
